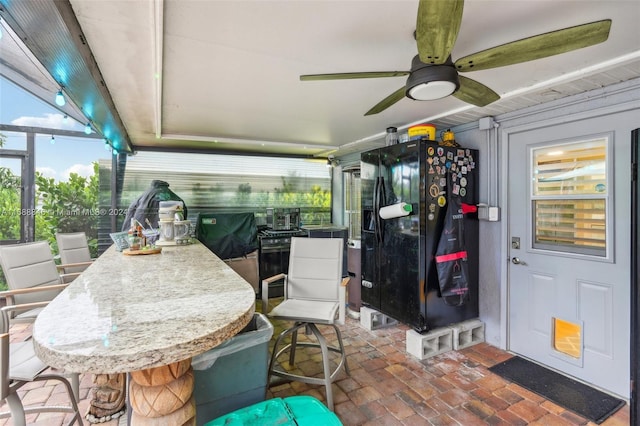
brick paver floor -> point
(387, 386)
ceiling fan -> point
(434, 75)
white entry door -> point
(569, 267)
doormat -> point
(584, 400)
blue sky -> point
(66, 155)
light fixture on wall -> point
(332, 162)
(60, 100)
(53, 140)
(87, 128)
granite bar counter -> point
(146, 315)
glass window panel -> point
(572, 223)
(578, 168)
(569, 197)
(211, 182)
(352, 198)
(14, 140)
(10, 201)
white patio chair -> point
(74, 253)
(19, 366)
(28, 266)
(314, 295)
(33, 281)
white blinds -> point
(569, 197)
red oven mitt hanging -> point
(451, 254)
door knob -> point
(517, 261)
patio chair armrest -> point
(12, 308)
(265, 290)
(67, 278)
(61, 267)
(17, 291)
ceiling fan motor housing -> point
(429, 82)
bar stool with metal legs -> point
(314, 294)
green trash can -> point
(233, 374)
(290, 411)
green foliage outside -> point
(70, 206)
(315, 202)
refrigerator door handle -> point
(378, 191)
(375, 208)
(382, 198)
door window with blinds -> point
(570, 191)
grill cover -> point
(228, 235)
(146, 205)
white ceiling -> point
(216, 74)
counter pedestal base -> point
(163, 395)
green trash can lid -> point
(293, 411)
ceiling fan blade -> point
(537, 47)
(475, 93)
(353, 75)
(387, 102)
(437, 29)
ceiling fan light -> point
(432, 90)
(428, 82)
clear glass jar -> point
(134, 242)
(392, 136)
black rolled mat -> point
(584, 400)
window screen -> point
(234, 183)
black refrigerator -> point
(420, 233)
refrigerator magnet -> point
(434, 190)
(442, 200)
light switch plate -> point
(494, 214)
